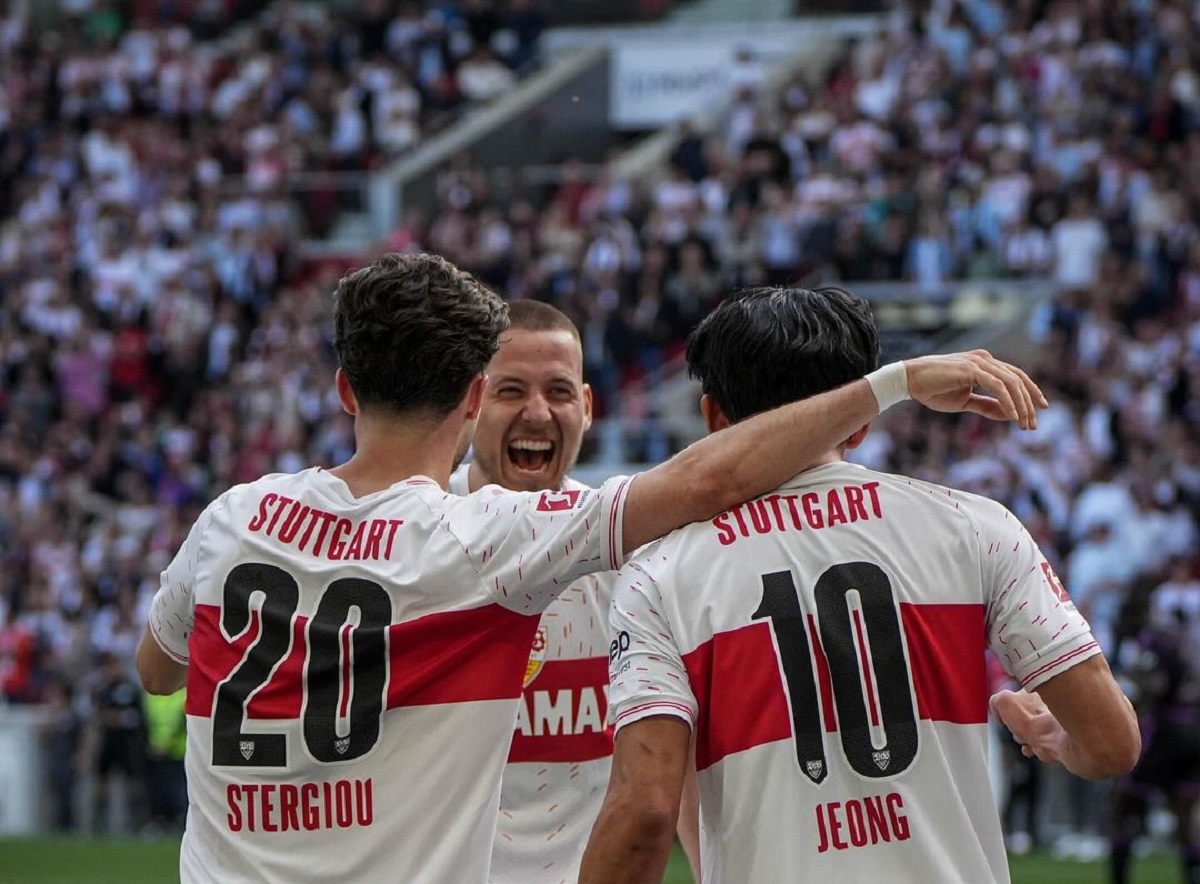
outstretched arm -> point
(762, 452)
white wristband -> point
(889, 384)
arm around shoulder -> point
(760, 453)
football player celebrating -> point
(353, 640)
(826, 644)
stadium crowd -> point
(157, 344)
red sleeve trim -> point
(614, 525)
(162, 644)
(664, 705)
(1070, 655)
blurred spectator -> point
(120, 757)
(160, 339)
(166, 737)
(482, 76)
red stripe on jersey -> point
(564, 714)
(449, 657)
(742, 699)
(946, 645)
(460, 656)
(344, 643)
(213, 658)
(864, 662)
(828, 709)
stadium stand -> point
(160, 341)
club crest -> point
(247, 747)
(537, 657)
(882, 759)
(815, 769)
(341, 745)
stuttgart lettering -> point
(798, 512)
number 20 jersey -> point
(827, 643)
(354, 668)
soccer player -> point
(826, 642)
(353, 640)
(535, 412)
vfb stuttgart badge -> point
(537, 657)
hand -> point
(1032, 724)
(949, 383)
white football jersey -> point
(355, 667)
(827, 643)
(561, 753)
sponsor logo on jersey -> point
(1056, 586)
(537, 657)
(563, 717)
(619, 646)
(557, 501)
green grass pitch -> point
(82, 861)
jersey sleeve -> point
(173, 608)
(527, 547)
(1033, 626)
(646, 673)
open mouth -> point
(531, 455)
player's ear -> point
(857, 439)
(345, 393)
(587, 407)
(475, 396)
(714, 417)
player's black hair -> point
(412, 331)
(765, 347)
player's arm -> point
(162, 654)
(632, 838)
(652, 707)
(761, 453)
(160, 673)
(688, 826)
(1080, 719)
(1070, 710)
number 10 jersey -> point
(827, 644)
(354, 668)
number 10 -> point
(861, 636)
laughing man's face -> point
(535, 411)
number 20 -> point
(335, 645)
(860, 633)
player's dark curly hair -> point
(412, 331)
(765, 347)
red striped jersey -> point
(561, 753)
(827, 644)
(355, 668)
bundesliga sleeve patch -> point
(557, 501)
